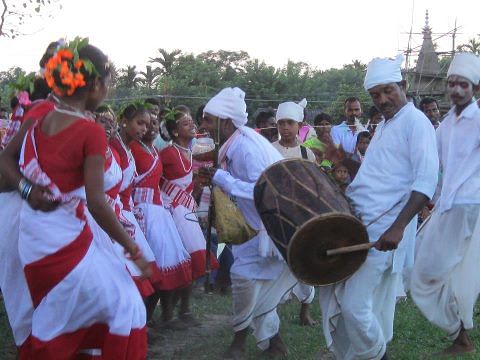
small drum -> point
(306, 214)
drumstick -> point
(350, 249)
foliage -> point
(472, 46)
(15, 13)
(184, 78)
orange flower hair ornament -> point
(63, 71)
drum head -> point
(307, 255)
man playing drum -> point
(396, 179)
(445, 281)
(260, 277)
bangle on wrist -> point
(25, 188)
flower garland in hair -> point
(63, 71)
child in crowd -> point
(374, 118)
(265, 124)
(289, 116)
(341, 176)
(363, 140)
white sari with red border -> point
(82, 295)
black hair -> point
(363, 135)
(373, 111)
(103, 109)
(99, 61)
(3, 109)
(40, 89)
(153, 101)
(263, 116)
(351, 99)
(322, 117)
(49, 52)
(14, 102)
(132, 111)
(179, 112)
(411, 96)
(199, 114)
(425, 101)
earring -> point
(175, 134)
(124, 125)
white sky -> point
(324, 34)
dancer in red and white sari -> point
(156, 222)
(16, 296)
(82, 295)
(177, 186)
(113, 183)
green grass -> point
(413, 335)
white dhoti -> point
(358, 312)
(445, 282)
(255, 304)
(304, 293)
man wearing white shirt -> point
(397, 178)
(445, 279)
(345, 134)
(260, 277)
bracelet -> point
(25, 188)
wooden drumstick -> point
(350, 249)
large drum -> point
(306, 214)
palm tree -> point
(129, 77)
(149, 77)
(473, 46)
(166, 60)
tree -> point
(166, 60)
(148, 77)
(472, 46)
(229, 63)
(14, 14)
(128, 77)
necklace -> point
(73, 113)
(126, 149)
(150, 150)
(63, 108)
(189, 152)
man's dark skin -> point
(353, 110)
(389, 99)
(224, 128)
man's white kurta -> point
(458, 141)
(445, 281)
(343, 135)
(259, 282)
(358, 313)
(401, 158)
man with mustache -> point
(394, 183)
(445, 281)
(345, 134)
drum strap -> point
(303, 151)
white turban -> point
(229, 104)
(381, 71)
(466, 65)
(291, 110)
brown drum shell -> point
(305, 214)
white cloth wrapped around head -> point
(381, 71)
(291, 110)
(229, 103)
(466, 65)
